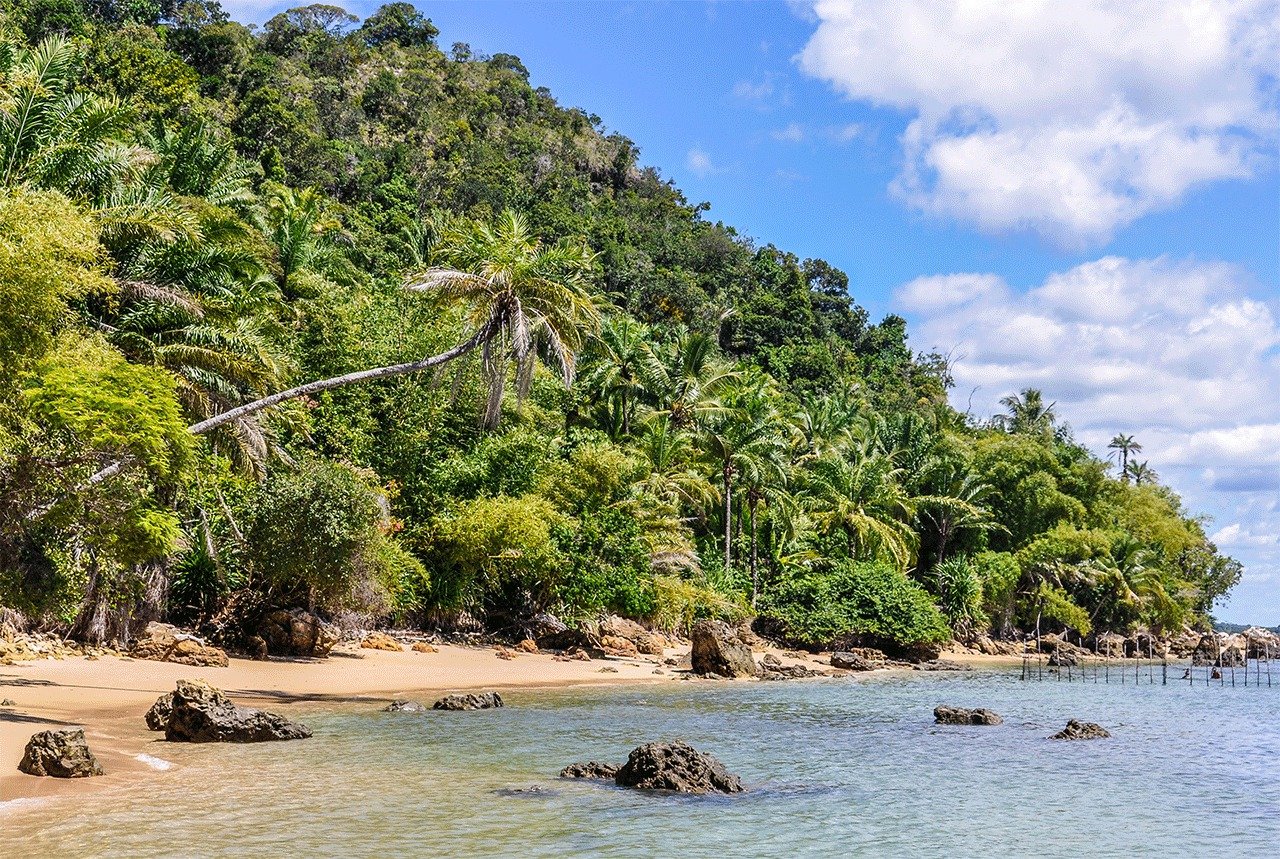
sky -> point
(1082, 197)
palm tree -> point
(955, 506)
(1027, 413)
(1125, 446)
(306, 236)
(613, 373)
(825, 426)
(1141, 472)
(685, 377)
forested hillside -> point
(590, 398)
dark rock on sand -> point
(772, 668)
(677, 767)
(717, 649)
(62, 754)
(591, 769)
(158, 716)
(202, 714)
(946, 715)
(481, 701)
(1082, 731)
(847, 661)
(298, 632)
(401, 706)
(1062, 658)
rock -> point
(62, 753)
(580, 655)
(298, 632)
(718, 650)
(402, 706)
(161, 642)
(550, 634)
(946, 715)
(676, 767)
(920, 652)
(616, 646)
(202, 714)
(1063, 658)
(158, 716)
(424, 647)
(941, 665)
(380, 641)
(473, 701)
(504, 653)
(257, 648)
(789, 672)
(608, 669)
(527, 646)
(847, 661)
(8, 702)
(1081, 731)
(591, 769)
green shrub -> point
(870, 601)
(679, 602)
(606, 569)
(960, 595)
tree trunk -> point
(728, 516)
(755, 574)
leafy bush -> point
(870, 601)
(999, 573)
(606, 567)
(679, 602)
(960, 595)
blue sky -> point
(1082, 197)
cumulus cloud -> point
(699, 163)
(1175, 352)
(792, 133)
(1070, 119)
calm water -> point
(836, 768)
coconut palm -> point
(613, 373)
(307, 237)
(955, 506)
(1141, 472)
(1027, 413)
(1124, 447)
(684, 377)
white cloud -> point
(1072, 119)
(793, 133)
(1177, 353)
(753, 91)
(699, 163)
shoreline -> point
(108, 695)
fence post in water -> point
(1164, 671)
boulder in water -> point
(1076, 730)
(718, 650)
(947, 715)
(676, 767)
(473, 701)
(591, 769)
(202, 714)
(62, 753)
(158, 716)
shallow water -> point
(835, 767)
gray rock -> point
(481, 701)
(298, 632)
(850, 662)
(202, 714)
(941, 665)
(591, 769)
(405, 707)
(946, 715)
(61, 753)
(676, 767)
(717, 649)
(158, 716)
(1082, 731)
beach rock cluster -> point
(859, 659)
(718, 650)
(381, 641)
(298, 632)
(472, 701)
(62, 753)
(944, 714)
(1076, 730)
(23, 647)
(203, 714)
(161, 642)
(773, 668)
(676, 767)
(630, 637)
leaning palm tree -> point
(1125, 446)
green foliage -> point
(872, 602)
(606, 567)
(679, 602)
(960, 587)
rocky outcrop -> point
(947, 715)
(62, 753)
(773, 668)
(550, 633)
(380, 641)
(921, 651)
(718, 650)
(528, 645)
(298, 632)
(941, 665)
(614, 645)
(1063, 658)
(161, 642)
(21, 647)
(473, 701)
(202, 714)
(591, 769)
(403, 706)
(158, 716)
(849, 660)
(676, 767)
(1081, 731)
(642, 640)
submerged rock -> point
(1082, 731)
(591, 769)
(202, 714)
(941, 665)
(677, 767)
(947, 715)
(473, 701)
(161, 642)
(298, 632)
(62, 753)
(158, 716)
(718, 650)
(402, 706)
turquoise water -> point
(835, 767)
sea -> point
(834, 768)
